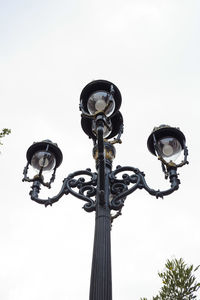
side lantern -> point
(43, 157)
(168, 143)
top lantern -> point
(100, 96)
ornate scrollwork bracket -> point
(78, 187)
(120, 187)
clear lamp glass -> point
(43, 159)
(170, 148)
(98, 102)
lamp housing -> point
(44, 155)
(167, 143)
(112, 128)
(100, 96)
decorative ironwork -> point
(86, 189)
(119, 187)
(83, 186)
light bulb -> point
(169, 148)
(100, 105)
(43, 162)
(43, 159)
(101, 101)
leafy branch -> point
(179, 281)
(3, 133)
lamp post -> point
(104, 191)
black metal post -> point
(101, 279)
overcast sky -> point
(49, 51)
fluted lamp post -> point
(105, 191)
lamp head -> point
(100, 96)
(44, 155)
(167, 143)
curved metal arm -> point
(83, 186)
(68, 186)
(35, 192)
(174, 185)
(120, 190)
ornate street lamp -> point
(105, 191)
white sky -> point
(49, 51)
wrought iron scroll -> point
(86, 189)
(119, 187)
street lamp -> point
(104, 191)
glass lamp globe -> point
(169, 148)
(101, 101)
(43, 159)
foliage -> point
(4, 132)
(179, 281)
